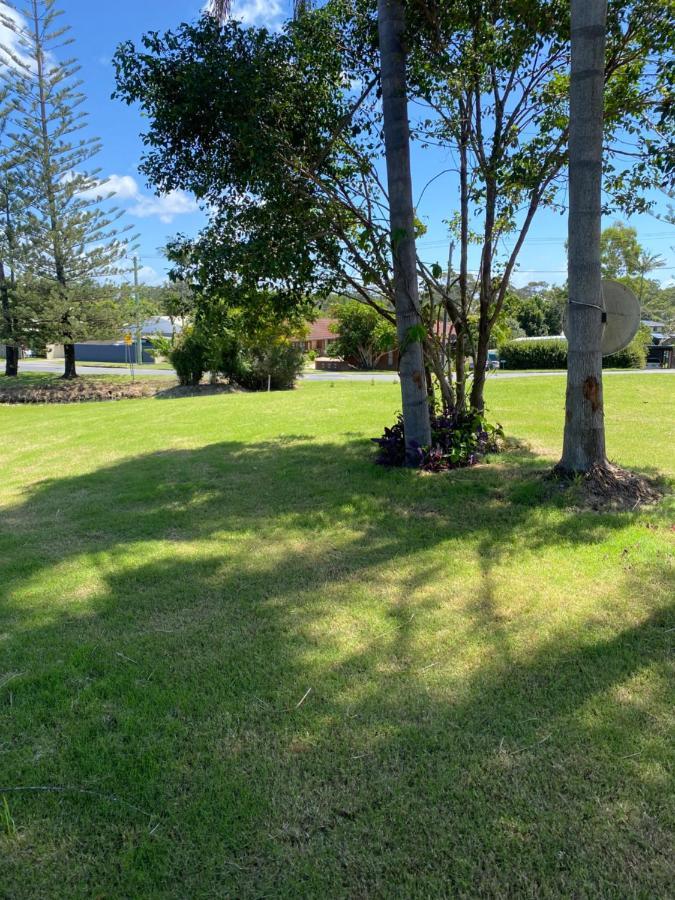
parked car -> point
(493, 361)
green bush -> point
(276, 366)
(223, 355)
(275, 363)
(553, 354)
(634, 356)
(534, 354)
(188, 357)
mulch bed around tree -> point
(86, 389)
(609, 487)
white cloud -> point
(123, 187)
(15, 47)
(166, 206)
(148, 275)
(267, 13)
(10, 42)
(145, 206)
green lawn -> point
(255, 665)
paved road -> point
(30, 365)
(499, 376)
(40, 365)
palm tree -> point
(220, 9)
(300, 7)
(646, 263)
(584, 439)
(391, 29)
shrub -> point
(188, 357)
(223, 355)
(534, 354)
(311, 355)
(553, 354)
(256, 367)
(458, 440)
(634, 356)
(276, 366)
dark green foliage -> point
(276, 367)
(188, 356)
(534, 354)
(631, 357)
(634, 356)
(552, 354)
(265, 361)
(229, 108)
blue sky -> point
(99, 28)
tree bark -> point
(11, 361)
(69, 370)
(391, 29)
(11, 351)
(460, 327)
(584, 439)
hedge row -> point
(553, 355)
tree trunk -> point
(391, 28)
(584, 440)
(11, 351)
(460, 327)
(486, 296)
(11, 361)
(440, 365)
(69, 370)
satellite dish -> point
(623, 316)
(622, 309)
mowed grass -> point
(239, 660)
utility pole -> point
(139, 324)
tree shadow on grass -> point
(225, 583)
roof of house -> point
(161, 325)
(321, 330)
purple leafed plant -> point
(458, 439)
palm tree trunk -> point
(391, 28)
(584, 440)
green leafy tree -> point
(287, 151)
(620, 251)
(361, 333)
(495, 76)
(74, 244)
(625, 259)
